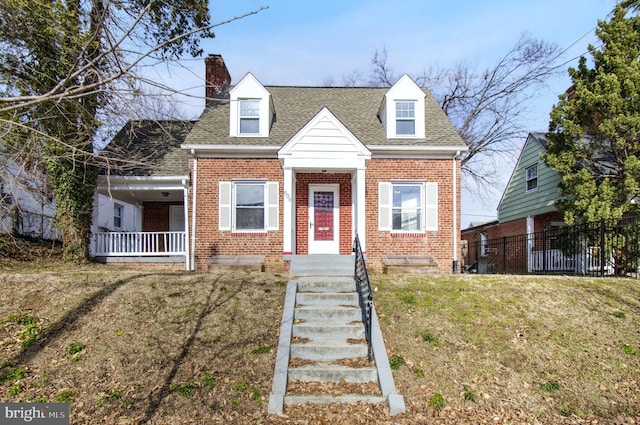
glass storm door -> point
(324, 231)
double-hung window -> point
(405, 118)
(249, 116)
(532, 178)
(410, 207)
(407, 207)
(117, 215)
(248, 206)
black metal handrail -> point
(364, 293)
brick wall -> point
(302, 208)
(155, 216)
(511, 228)
(438, 244)
(211, 241)
(512, 252)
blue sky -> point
(300, 42)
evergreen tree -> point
(594, 132)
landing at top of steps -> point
(322, 265)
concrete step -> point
(327, 285)
(319, 331)
(327, 349)
(327, 299)
(323, 372)
(329, 399)
(328, 314)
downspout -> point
(455, 214)
(193, 210)
(187, 252)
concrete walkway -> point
(322, 326)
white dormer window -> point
(402, 112)
(249, 116)
(250, 109)
(405, 118)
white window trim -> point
(251, 117)
(227, 208)
(396, 119)
(429, 206)
(527, 179)
(120, 208)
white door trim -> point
(324, 247)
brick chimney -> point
(217, 76)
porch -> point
(139, 244)
(555, 260)
(142, 221)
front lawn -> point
(130, 347)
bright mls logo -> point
(34, 413)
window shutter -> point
(384, 206)
(272, 218)
(431, 206)
(224, 211)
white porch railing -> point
(135, 244)
(556, 260)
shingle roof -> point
(355, 107)
(150, 148)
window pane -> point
(249, 207)
(250, 218)
(249, 108)
(405, 127)
(248, 195)
(405, 110)
(117, 216)
(406, 196)
(249, 126)
(407, 207)
(532, 177)
(406, 220)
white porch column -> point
(361, 210)
(187, 251)
(287, 210)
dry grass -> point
(515, 349)
(130, 347)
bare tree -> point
(63, 63)
(486, 107)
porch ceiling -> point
(140, 196)
(136, 190)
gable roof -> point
(516, 202)
(356, 107)
(150, 148)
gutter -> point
(454, 234)
(193, 211)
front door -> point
(324, 215)
(176, 218)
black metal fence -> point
(364, 292)
(605, 248)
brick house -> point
(268, 172)
(527, 206)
